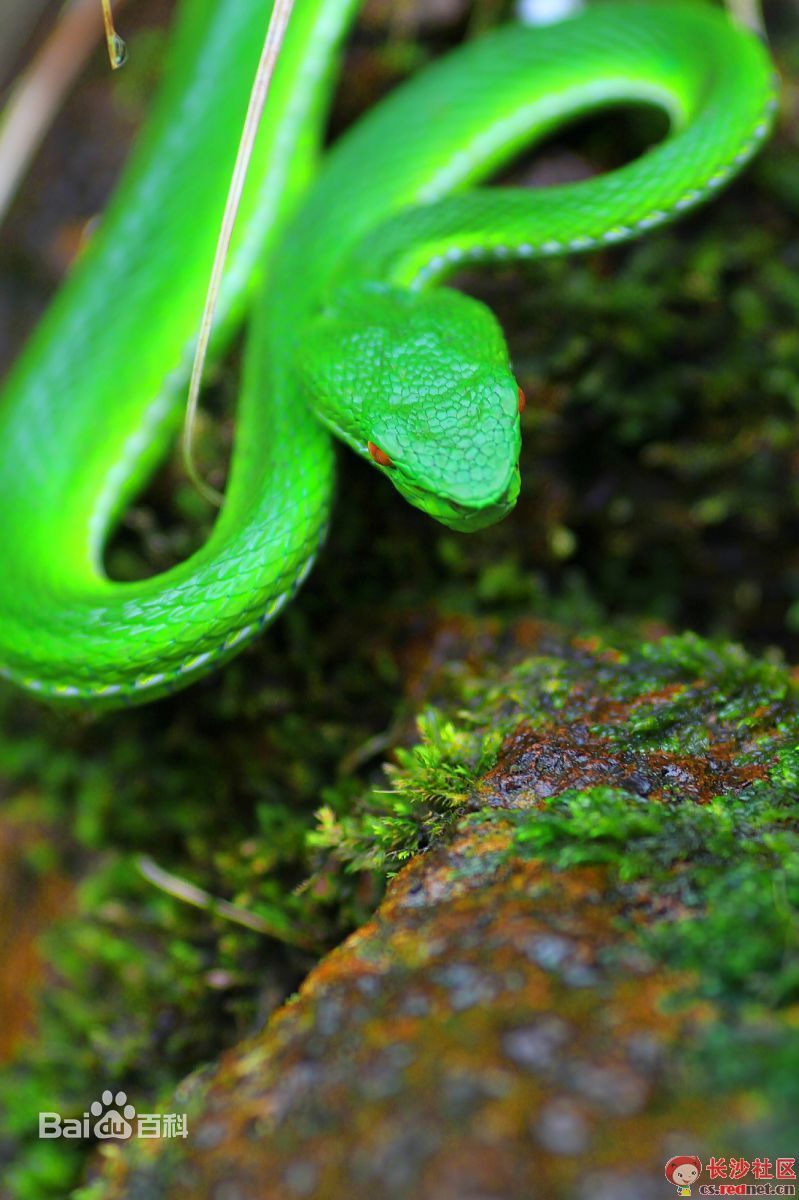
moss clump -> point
(676, 717)
(430, 783)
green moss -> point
(642, 697)
(430, 784)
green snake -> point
(335, 259)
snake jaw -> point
(463, 518)
(473, 520)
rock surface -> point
(554, 998)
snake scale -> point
(336, 260)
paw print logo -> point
(114, 1115)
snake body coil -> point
(336, 256)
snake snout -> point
(478, 513)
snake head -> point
(420, 383)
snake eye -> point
(522, 401)
(379, 456)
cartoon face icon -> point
(682, 1171)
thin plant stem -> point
(117, 50)
(273, 42)
(189, 893)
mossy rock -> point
(593, 966)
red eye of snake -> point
(379, 456)
(522, 401)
